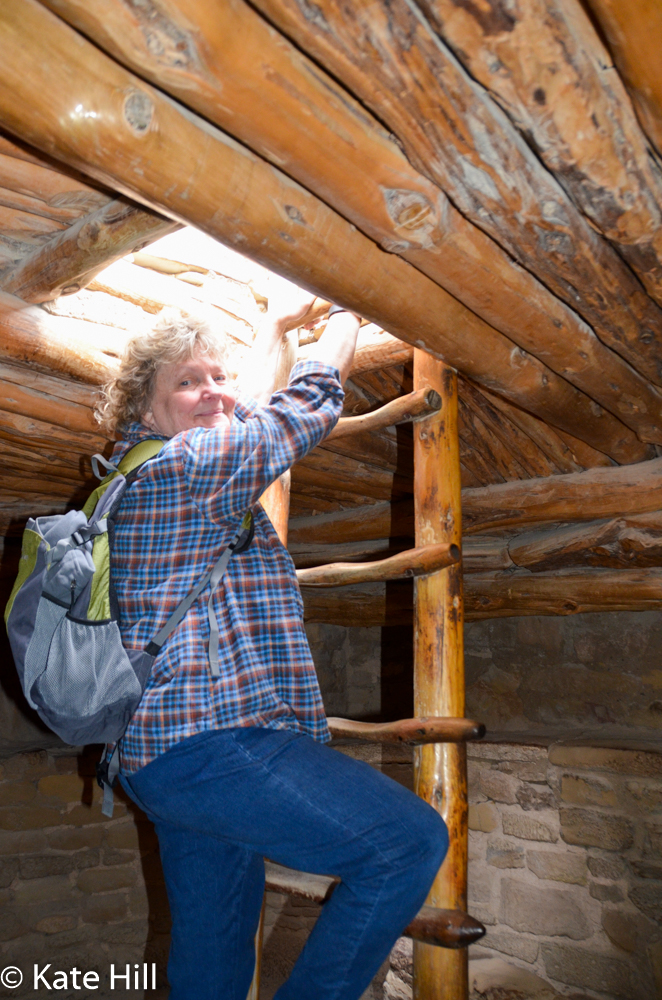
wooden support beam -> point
(555, 81)
(444, 928)
(291, 111)
(563, 592)
(128, 135)
(580, 496)
(615, 491)
(403, 410)
(633, 31)
(380, 520)
(496, 595)
(29, 336)
(406, 565)
(412, 732)
(69, 261)
(440, 770)
(456, 135)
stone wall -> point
(565, 871)
(76, 889)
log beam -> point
(402, 410)
(440, 770)
(29, 336)
(69, 261)
(580, 496)
(412, 732)
(128, 135)
(564, 592)
(413, 563)
(444, 928)
(496, 595)
(454, 133)
(291, 111)
(633, 31)
(555, 81)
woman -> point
(233, 768)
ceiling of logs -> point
(481, 180)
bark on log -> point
(398, 411)
(405, 565)
(452, 131)
(291, 111)
(445, 928)
(548, 69)
(161, 154)
(70, 261)
(628, 542)
(582, 496)
(412, 732)
(633, 32)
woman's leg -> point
(284, 796)
(215, 891)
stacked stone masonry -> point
(565, 872)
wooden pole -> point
(440, 769)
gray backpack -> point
(62, 616)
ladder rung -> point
(413, 406)
(445, 928)
(409, 731)
(404, 565)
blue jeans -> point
(223, 800)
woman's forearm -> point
(337, 344)
(259, 374)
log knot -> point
(138, 111)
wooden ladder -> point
(442, 930)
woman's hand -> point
(287, 302)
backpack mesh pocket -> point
(87, 670)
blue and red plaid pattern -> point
(174, 522)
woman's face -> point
(191, 393)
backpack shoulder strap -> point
(139, 454)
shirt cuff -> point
(303, 368)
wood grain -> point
(270, 96)
(440, 770)
(130, 136)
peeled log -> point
(399, 411)
(633, 31)
(412, 732)
(138, 141)
(405, 565)
(453, 132)
(496, 595)
(69, 262)
(563, 592)
(271, 97)
(29, 336)
(553, 78)
(580, 496)
(374, 521)
(446, 928)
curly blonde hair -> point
(127, 396)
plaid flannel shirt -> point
(175, 520)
